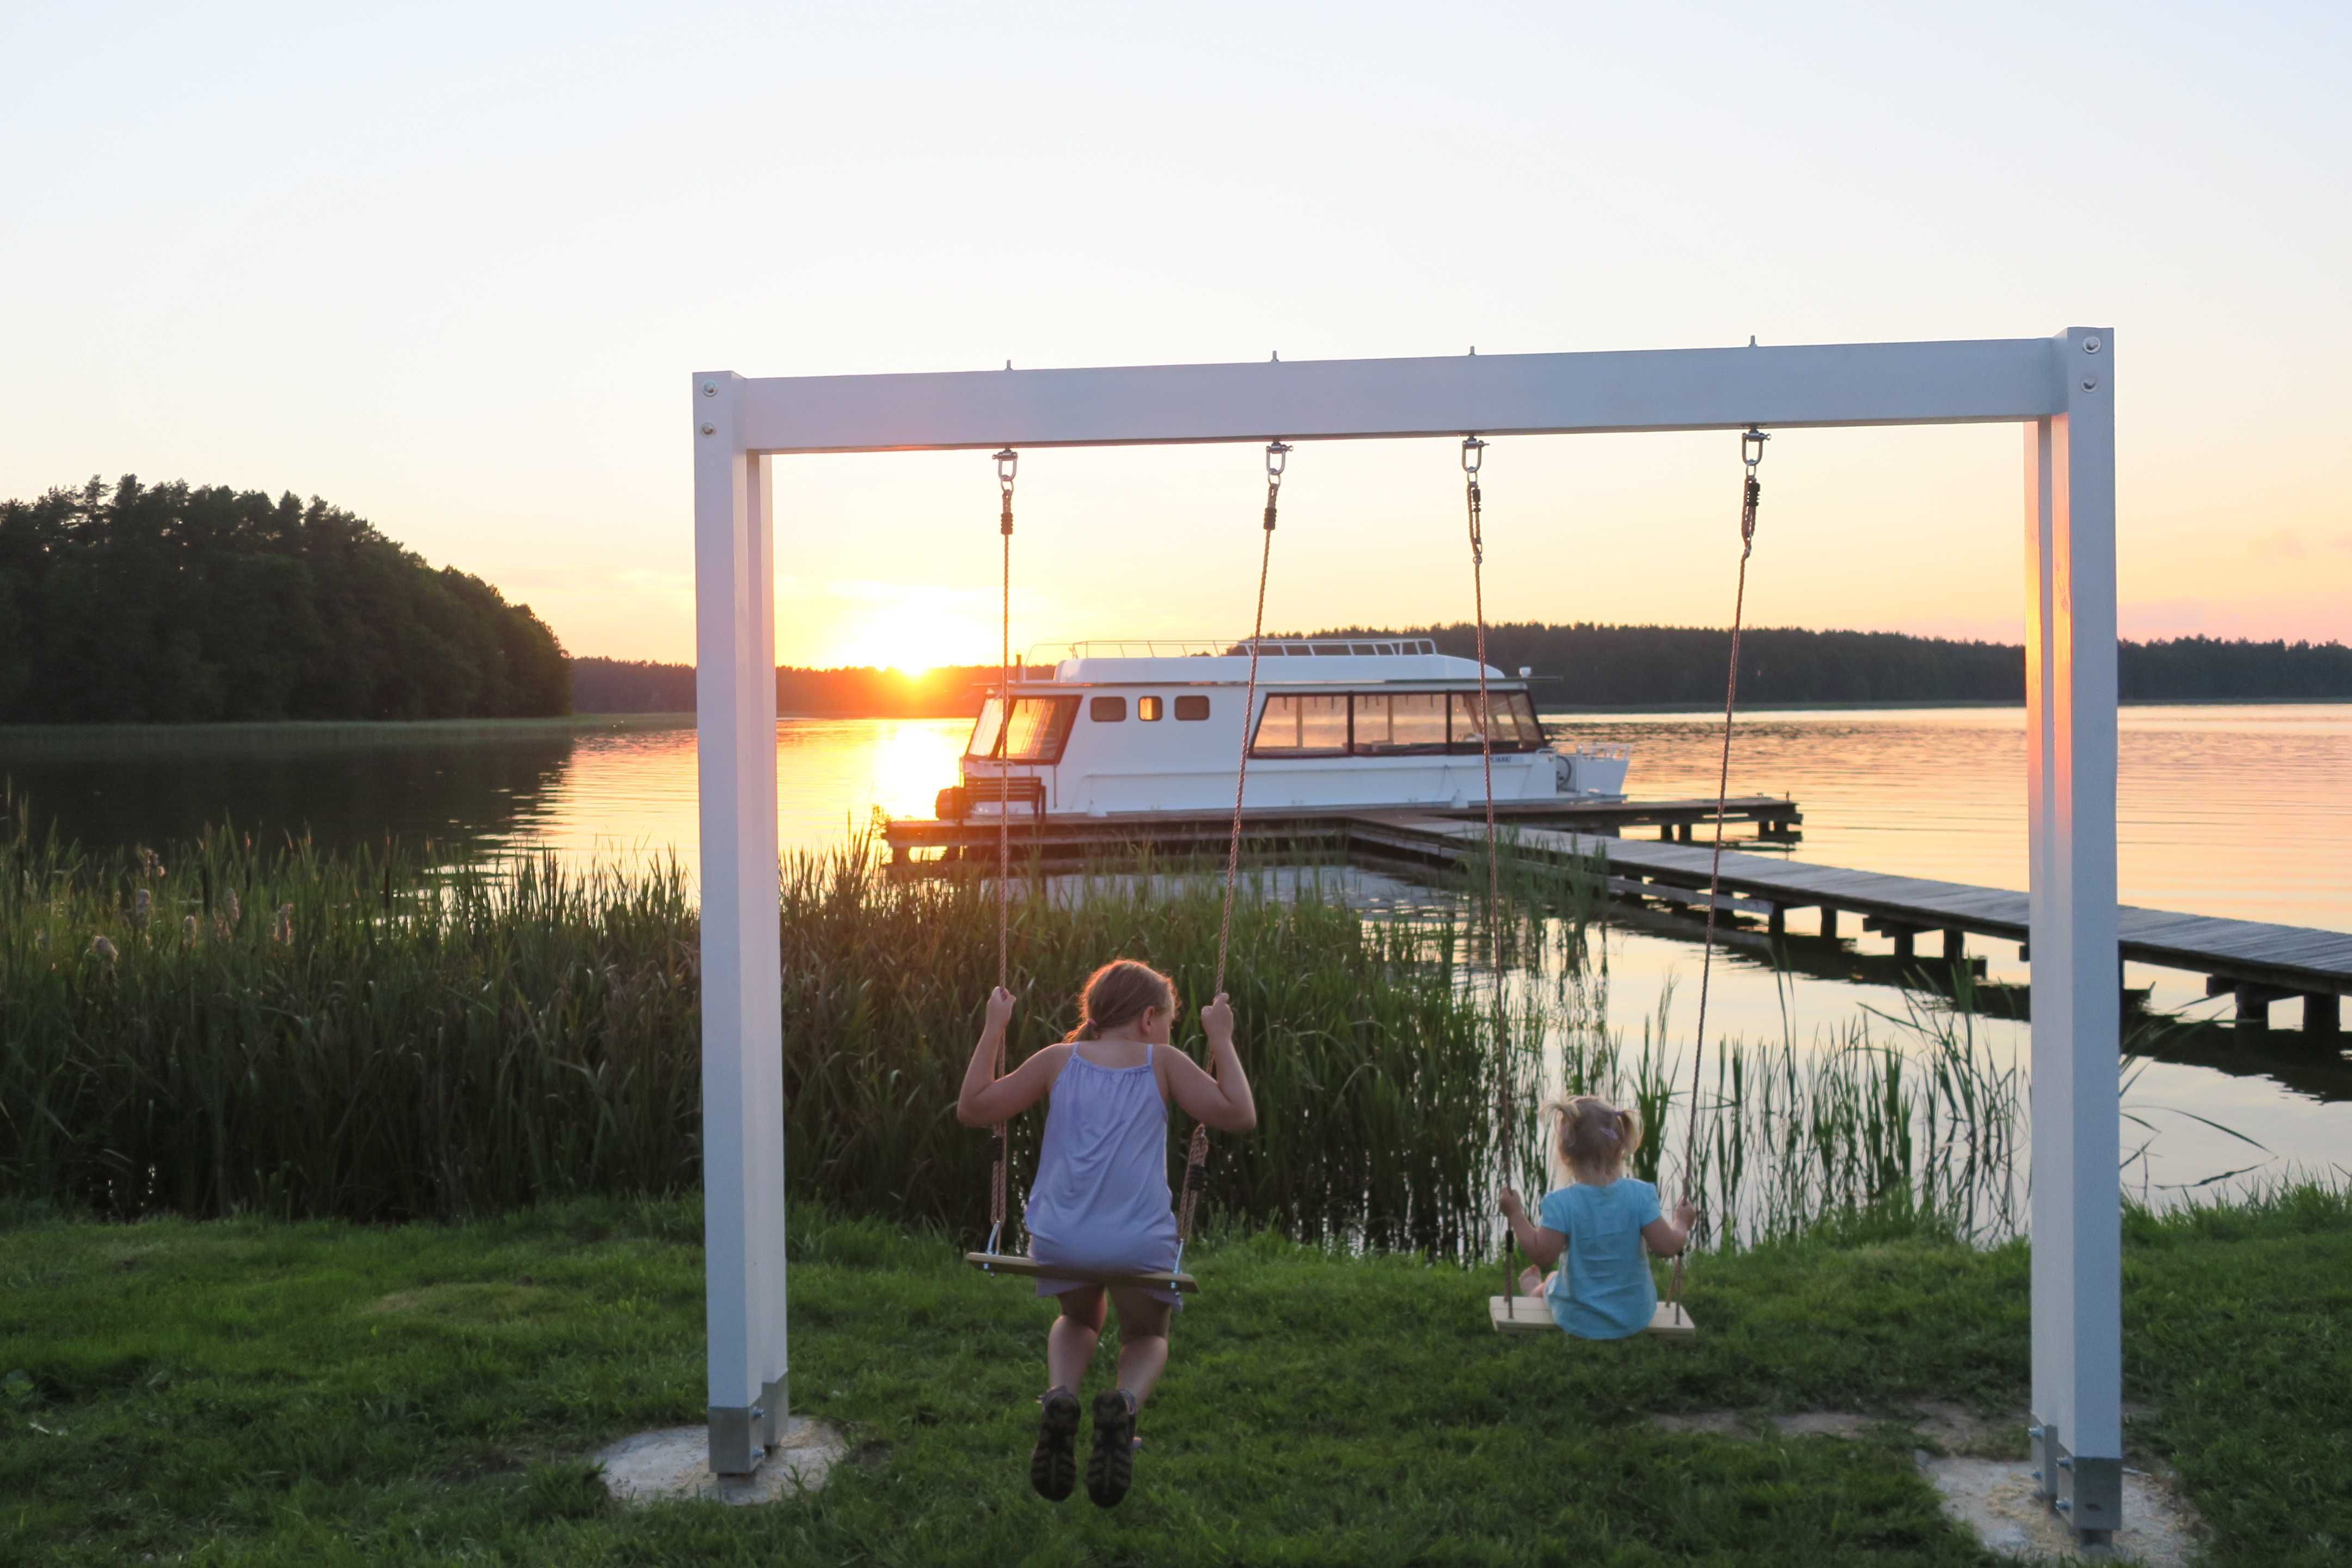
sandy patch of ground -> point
(1957, 1429)
(1720, 1423)
(1823, 1423)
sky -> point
(452, 265)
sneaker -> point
(1054, 1462)
(1111, 1469)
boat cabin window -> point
(1107, 709)
(1040, 728)
(1515, 727)
(1302, 727)
(1147, 710)
(1390, 724)
(1191, 708)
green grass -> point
(262, 1392)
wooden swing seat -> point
(1009, 1263)
(1532, 1315)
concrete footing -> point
(1996, 1498)
(674, 1465)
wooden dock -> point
(2259, 962)
(1769, 820)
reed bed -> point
(221, 1028)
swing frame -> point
(2061, 389)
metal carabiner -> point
(1474, 452)
(1278, 457)
(1751, 446)
(1008, 463)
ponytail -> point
(1592, 1137)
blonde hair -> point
(1592, 1137)
(1118, 993)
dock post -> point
(1829, 923)
(2323, 1016)
(742, 984)
(2071, 744)
(2253, 1009)
(1956, 944)
(1776, 922)
(1903, 938)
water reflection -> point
(475, 788)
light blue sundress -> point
(1100, 1200)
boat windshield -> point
(1040, 726)
(983, 729)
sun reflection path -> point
(909, 763)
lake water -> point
(2228, 810)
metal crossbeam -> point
(1958, 382)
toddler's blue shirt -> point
(1603, 1290)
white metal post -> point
(2069, 651)
(742, 1055)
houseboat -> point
(1119, 728)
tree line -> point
(177, 603)
(637, 686)
(1587, 665)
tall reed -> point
(223, 1027)
(1912, 1112)
(358, 1034)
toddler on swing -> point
(1603, 1219)
(1101, 1201)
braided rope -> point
(1000, 1176)
(1473, 451)
(1751, 493)
(1196, 1157)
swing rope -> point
(1751, 453)
(1278, 456)
(1473, 456)
(1008, 463)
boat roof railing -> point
(1267, 648)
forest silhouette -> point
(172, 603)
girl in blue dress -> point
(1606, 1222)
(1101, 1201)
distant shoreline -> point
(364, 731)
(2017, 705)
(352, 732)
